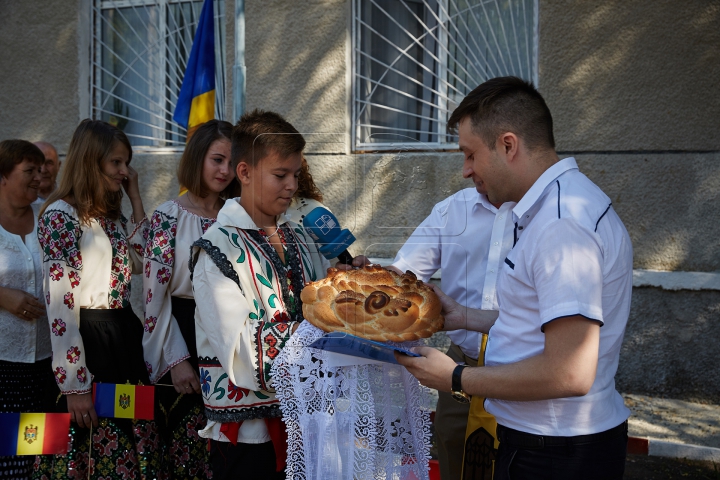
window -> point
(415, 60)
(139, 52)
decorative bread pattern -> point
(373, 303)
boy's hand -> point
(358, 262)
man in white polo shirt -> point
(564, 296)
(468, 238)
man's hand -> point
(82, 410)
(184, 378)
(434, 369)
(454, 313)
(358, 262)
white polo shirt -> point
(573, 256)
(468, 238)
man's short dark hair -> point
(507, 104)
(13, 152)
(258, 132)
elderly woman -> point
(26, 379)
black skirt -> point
(113, 345)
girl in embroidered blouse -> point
(169, 337)
(89, 255)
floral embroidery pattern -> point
(270, 338)
(69, 300)
(147, 269)
(59, 236)
(105, 441)
(206, 223)
(150, 323)
(74, 278)
(120, 270)
(237, 393)
(148, 297)
(58, 327)
(205, 380)
(73, 354)
(60, 375)
(163, 275)
(161, 247)
(149, 367)
(47, 298)
(56, 272)
(82, 374)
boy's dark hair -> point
(258, 132)
(507, 104)
(13, 152)
(190, 169)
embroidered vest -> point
(245, 258)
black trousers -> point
(598, 456)
(244, 460)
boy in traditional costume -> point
(248, 270)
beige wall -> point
(632, 75)
(40, 71)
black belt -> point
(529, 440)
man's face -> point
(482, 165)
(50, 168)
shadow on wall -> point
(623, 75)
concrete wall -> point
(39, 97)
(633, 87)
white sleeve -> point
(567, 269)
(421, 252)
(223, 315)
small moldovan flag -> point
(196, 101)
(124, 401)
(34, 433)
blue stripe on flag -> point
(9, 424)
(105, 400)
(200, 72)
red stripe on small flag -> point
(145, 402)
(57, 430)
(638, 446)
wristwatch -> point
(457, 391)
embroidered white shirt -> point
(167, 274)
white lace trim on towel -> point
(355, 422)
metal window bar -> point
(414, 60)
(140, 50)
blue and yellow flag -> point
(196, 102)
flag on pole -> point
(196, 101)
(124, 401)
(34, 433)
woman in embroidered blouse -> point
(89, 255)
(249, 269)
(169, 338)
(26, 380)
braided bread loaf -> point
(373, 303)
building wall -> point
(632, 87)
(39, 97)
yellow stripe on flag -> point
(125, 401)
(31, 434)
(202, 109)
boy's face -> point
(273, 181)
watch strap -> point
(457, 377)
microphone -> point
(324, 228)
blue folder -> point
(347, 344)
